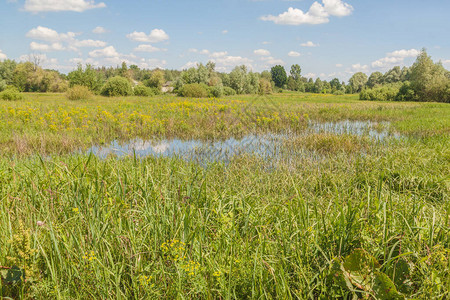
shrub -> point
(383, 93)
(79, 92)
(143, 91)
(3, 85)
(117, 86)
(195, 90)
(11, 94)
(227, 91)
(338, 92)
(215, 91)
(406, 93)
(265, 87)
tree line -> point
(424, 81)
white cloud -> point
(218, 54)
(360, 68)
(317, 14)
(404, 53)
(155, 36)
(148, 48)
(189, 64)
(224, 31)
(152, 63)
(262, 52)
(89, 43)
(2, 55)
(46, 47)
(309, 44)
(105, 52)
(233, 61)
(396, 57)
(294, 54)
(270, 61)
(49, 35)
(339, 65)
(310, 75)
(61, 5)
(337, 8)
(99, 30)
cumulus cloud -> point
(155, 36)
(46, 47)
(309, 44)
(218, 54)
(99, 30)
(189, 64)
(317, 14)
(360, 68)
(396, 57)
(2, 55)
(61, 5)
(58, 39)
(105, 52)
(262, 52)
(148, 48)
(294, 54)
(270, 61)
(339, 65)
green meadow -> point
(354, 218)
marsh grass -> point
(143, 228)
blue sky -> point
(328, 38)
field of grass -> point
(358, 218)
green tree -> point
(357, 82)
(374, 79)
(87, 77)
(429, 80)
(296, 71)
(279, 75)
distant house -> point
(167, 87)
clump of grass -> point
(78, 92)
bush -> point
(227, 91)
(265, 87)
(117, 86)
(11, 94)
(195, 90)
(215, 91)
(406, 93)
(143, 91)
(3, 85)
(338, 93)
(384, 93)
(78, 92)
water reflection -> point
(265, 146)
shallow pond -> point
(264, 145)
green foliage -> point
(279, 75)
(117, 86)
(295, 72)
(78, 92)
(382, 93)
(375, 79)
(143, 91)
(265, 87)
(429, 80)
(11, 94)
(215, 91)
(3, 85)
(357, 82)
(195, 90)
(87, 77)
(227, 91)
(156, 80)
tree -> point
(318, 85)
(87, 77)
(429, 80)
(374, 79)
(296, 72)
(357, 82)
(393, 75)
(335, 84)
(279, 75)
